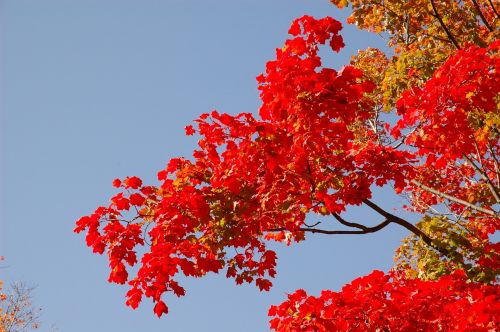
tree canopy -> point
(424, 121)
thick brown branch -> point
(453, 199)
(485, 177)
(347, 223)
(494, 9)
(366, 230)
(412, 228)
(448, 33)
(480, 13)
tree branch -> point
(412, 228)
(485, 177)
(347, 223)
(495, 161)
(480, 13)
(494, 9)
(453, 199)
(366, 230)
(448, 33)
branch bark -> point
(347, 223)
(494, 9)
(389, 218)
(448, 33)
(412, 228)
(485, 177)
(480, 13)
(495, 161)
(365, 230)
(454, 199)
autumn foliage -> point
(17, 313)
(394, 303)
(322, 141)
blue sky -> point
(97, 89)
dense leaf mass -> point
(309, 152)
(318, 146)
(380, 302)
(451, 125)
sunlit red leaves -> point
(316, 31)
(464, 90)
(189, 130)
(117, 183)
(310, 152)
(423, 35)
(160, 308)
(120, 202)
(451, 123)
(380, 302)
(132, 182)
(134, 298)
(313, 149)
(490, 257)
(137, 199)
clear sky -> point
(91, 90)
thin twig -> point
(495, 161)
(486, 178)
(478, 153)
(453, 199)
(313, 225)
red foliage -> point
(449, 122)
(251, 175)
(311, 151)
(380, 302)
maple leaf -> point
(132, 182)
(189, 130)
(160, 308)
(117, 183)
